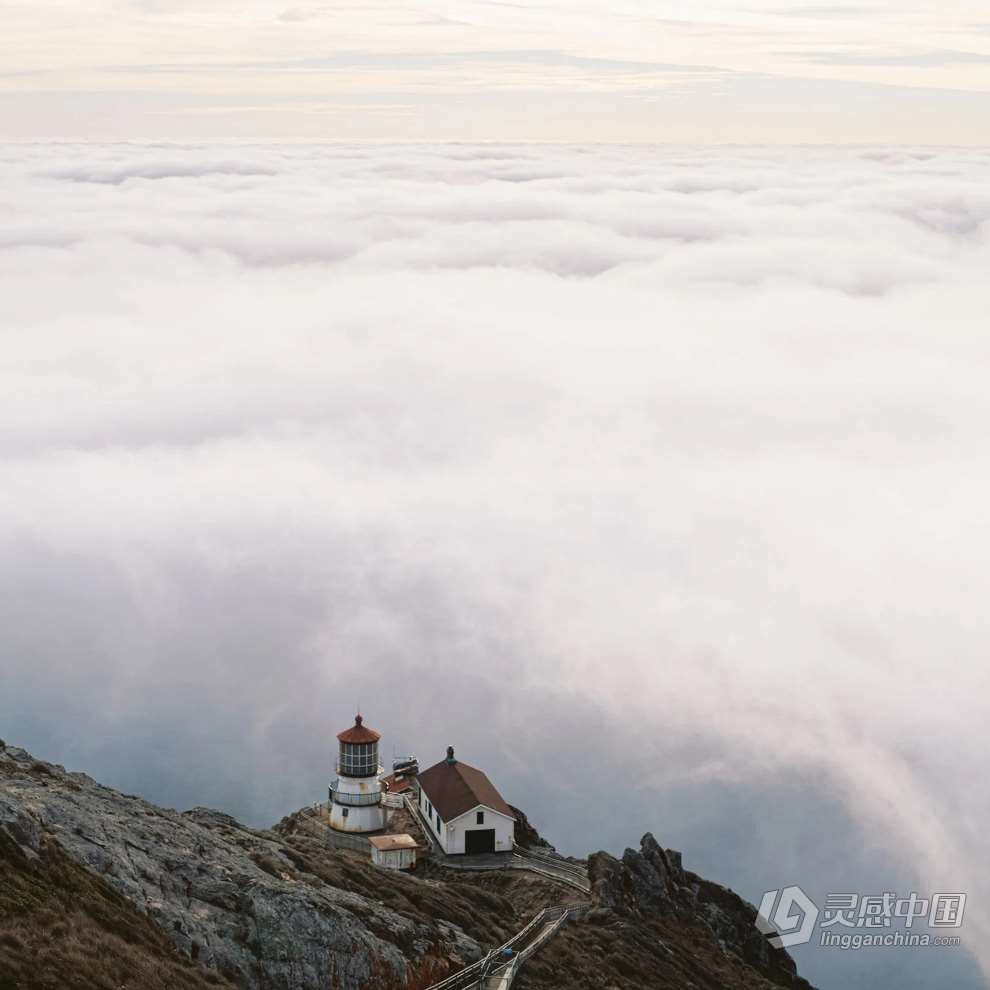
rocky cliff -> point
(103, 889)
(240, 902)
(655, 924)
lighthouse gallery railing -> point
(352, 800)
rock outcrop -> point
(525, 834)
(651, 883)
(236, 900)
(62, 925)
(651, 879)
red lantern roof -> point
(358, 733)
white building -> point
(356, 794)
(464, 811)
(393, 852)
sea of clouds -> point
(655, 480)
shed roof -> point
(455, 788)
(358, 733)
(386, 843)
(397, 783)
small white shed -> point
(393, 852)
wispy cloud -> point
(921, 60)
(565, 54)
(295, 15)
(829, 10)
(425, 62)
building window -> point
(480, 818)
(343, 812)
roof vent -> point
(358, 720)
(450, 755)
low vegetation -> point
(62, 926)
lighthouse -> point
(356, 794)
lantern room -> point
(358, 751)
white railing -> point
(504, 978)
(353, 799)
(578, 883)
(416, 812)
(545, 936)
(552, 866)
(474, 970)
(348, 840)
(339, 840)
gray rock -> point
(227, 895)
(653, 881)
(651, 877)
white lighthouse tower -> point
(356, 794)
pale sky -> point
(564, 70)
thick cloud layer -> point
(654, 480)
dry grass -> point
(64, 927)
(648, 954)
(488, 906)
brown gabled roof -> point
(454, 788)
(358, 733)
